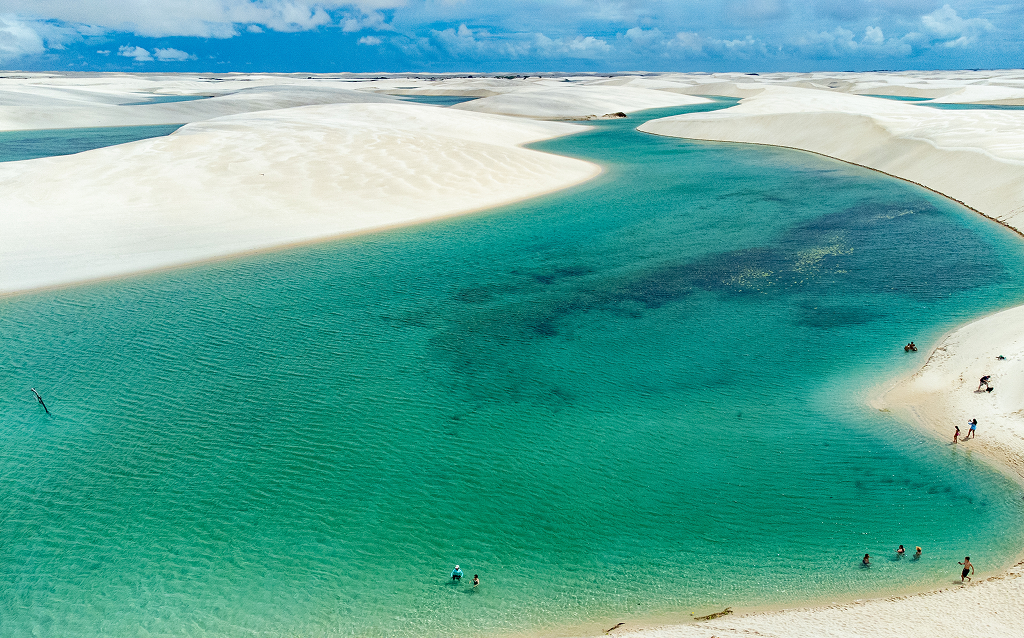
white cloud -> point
(357, 22)
(104, 52)
(692, 44)
(137, 53)
(18, 39)
(873, 36)
(370, 40)
(163, 55)
(946, 24)
(200, 18)
(578, 47)
(172, 55)
(841, 42)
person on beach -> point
(917, 554)
(456, 573)
(970, 433)
(968, 569)
(900, 551)
(867, 560)
(985, 382)
(956, 435)
(476, 580)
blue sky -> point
(522, 35)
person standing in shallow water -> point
(900, 551)
(968, 569)
(956, 435)
(456, 573)
(917, 554)
(476, 580)
(867, 560)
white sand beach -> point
(269, 161)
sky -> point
(329, 36)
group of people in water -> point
(910, 347)
(900, 552)
(457, 576)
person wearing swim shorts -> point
(968, 569)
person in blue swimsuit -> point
(456, 573)
(970, 434)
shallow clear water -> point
(436, 100)
(951, 107)
(165, 99)
(23, 145)
(637, 398)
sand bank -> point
(256, 181)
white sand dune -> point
(255, 181)
(47, 107)
(577, 101)
(973, 156)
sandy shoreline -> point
(272, 161)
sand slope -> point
(564, 102)
(255, 181)
(976, 157)
(986, 609)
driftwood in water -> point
(724, 612)
(614, 628)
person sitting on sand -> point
(900, 551)
(867, 560)
(456, 573)
(968, 569)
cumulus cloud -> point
(18, 39)
(578, 47)
(172, 55)
(692, 44)
(952, 30)
(481, 43)
(136, 53)
(163, 55)
(206, 19)
(370, 40)
(840, 42)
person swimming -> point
(40, 400)
(456, 573)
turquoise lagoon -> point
(32, 144)
(641, 397)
